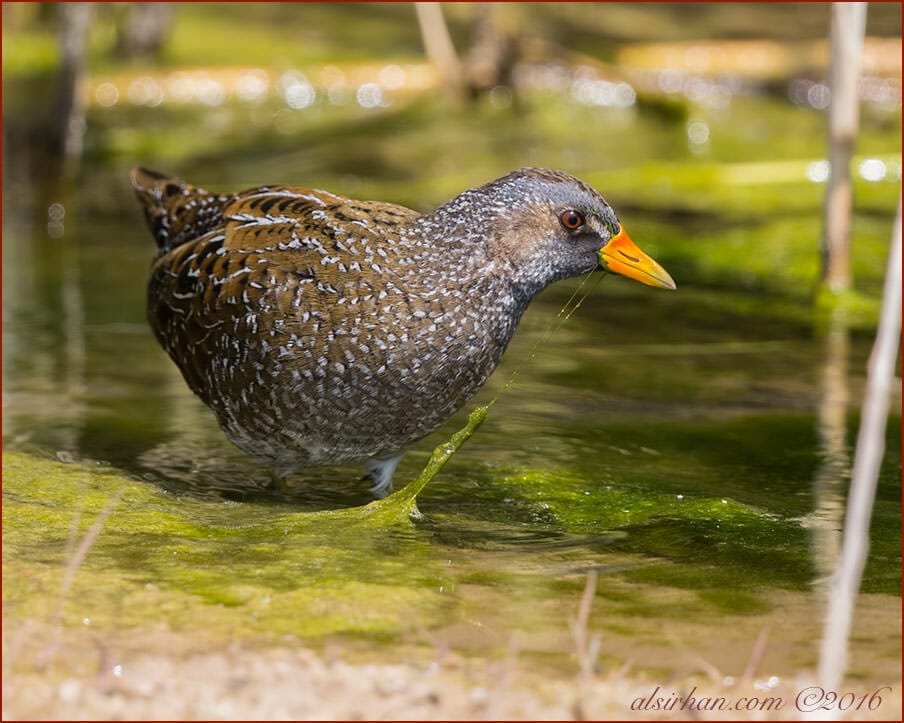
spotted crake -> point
(323, 330)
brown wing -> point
(273, 266)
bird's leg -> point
(279, 476)
(380, 472)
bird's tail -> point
(175, 211)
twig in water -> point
(72, 566)
(711, 671)
(84, 546)
(756, 655)
(587, 647)
(867, 458)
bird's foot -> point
(380, 472)
(279, 478)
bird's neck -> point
(461, 243)
(456, 276)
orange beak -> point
(621, 256)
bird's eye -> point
(571, 220)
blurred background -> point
(703, 125)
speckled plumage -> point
(323, 330)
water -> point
(691, 448)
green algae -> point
(189, 562)
(496, 544)
(300, 573)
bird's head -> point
(548, 226)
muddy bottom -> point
(77, 674)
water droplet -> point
(818, 171)
(392, 77)
(872, 169)
(106, 94)
(56, 212)
(252, 86)
(370, 95)
(819, 96)
(697, 132)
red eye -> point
(571, 220)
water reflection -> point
(44, 327)
(829, 482)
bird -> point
(323, 330)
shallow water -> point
(691, 448)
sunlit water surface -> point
(692, 448)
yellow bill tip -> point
(623, 257)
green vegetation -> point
(245, 568)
